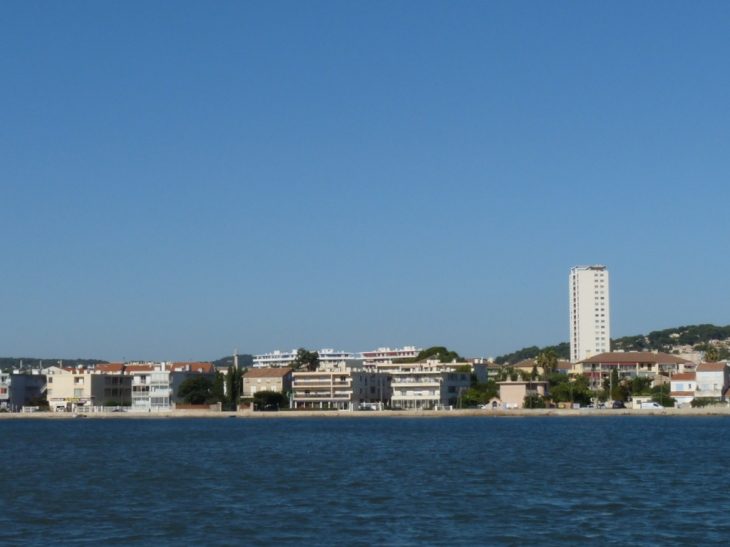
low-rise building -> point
(632, 364)
(17, 390)
(344, 386)
(683, 386)
(512, 394)
(267, 379)
(713, 380)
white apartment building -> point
(285, 358)
(387, 355)
(590, 313)
(426, 384)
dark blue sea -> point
(373, 481)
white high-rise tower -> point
(590, 315)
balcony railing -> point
(321, 396)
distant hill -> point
(562, 350)
(676, 340)
(244, 360)
(7, 363)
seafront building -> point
(16, 390)
(267, 379)
(346, 385)
(713, 380)
(590, 312)
(140, 386)
(682, 387)
(427, 384)
(280, 358)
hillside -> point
(244, 360)
(675, 340)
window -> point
(79, 392)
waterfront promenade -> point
(475, 413)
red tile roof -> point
(706, 367)
(109, 367)
(205, 368)
(685, 376)
(635, 357)
(681, 393)
(131, 369)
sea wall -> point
(247, 414)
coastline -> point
(470, 413)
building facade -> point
(267, 379)
(280, 358)
(346, 385)
(683, 386)
(426, 384)
(16, 390)
(632, 364)
(590, 312)
(713, 380)
(387, 355)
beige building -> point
(70, 390)
(267, 379)
(344, 386)
(512, 394)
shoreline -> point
(466, 413)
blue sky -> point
(179, 179)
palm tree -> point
(548, 361)
(712, 354)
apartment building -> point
(267, 379)
(631, 364)
(713, 380)
(69, 390)
(16, 390)
(426, 384)
(590, 312)
(346, 385)
(155, 386)
(388, 355)
(280, 358)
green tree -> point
(270, 400)
(712, 354)
(534, 401)
(217, 391)
(196, 390)
(307, 360)
(234, 385)
(548, 361)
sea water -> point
(366, 481)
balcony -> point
(322, 396)
(321, 383)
